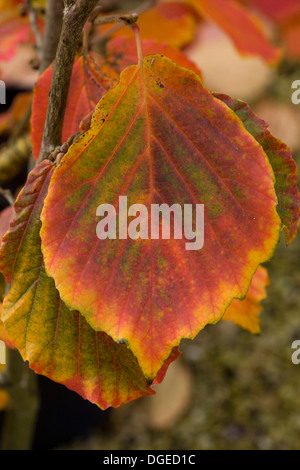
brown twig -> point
(145, 6)
(128, 18)
(34, 27)
(54, 15)
(75, 17)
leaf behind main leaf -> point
(241, 26)
(245, 313)
(58, 342)
(173, 23)
(91, 78)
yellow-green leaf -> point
(58, 342)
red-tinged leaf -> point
(162, 373)
(91, 78)
(241, 26)
(122, 52)
(5, 217)
(10, 3)
(14, 29)
(58, 343)
(159, 136)
(277, 9)
(27, 204)
(280, 157)
(173, 23)
(290, 30)
(245, 313)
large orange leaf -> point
(241, 26)
(159, 136)
(246, 313)
(280, 157)
(58, 342)
(91, 78)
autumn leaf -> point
(241, 26)
(286, 16)
(290, 30)
(277, 9)
(173, 23)
(3, 333)
(159, 137)
(5, 217)
(58, 342)
(14, 29)
(2, 290)
(121, 52)
(280, 157)
(91, 78)
(245, 313)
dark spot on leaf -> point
(121, 341)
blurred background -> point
(229, 389)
